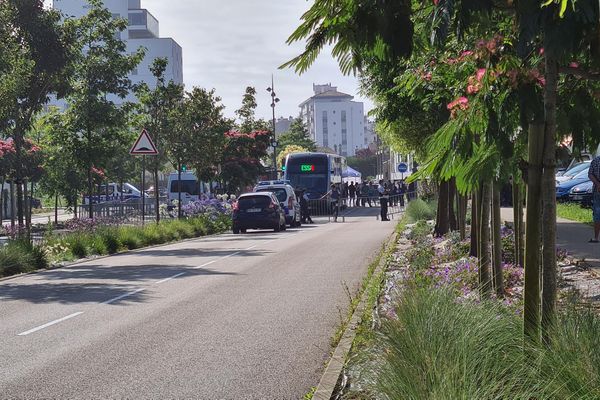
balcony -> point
(142, 25)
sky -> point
(231, 44)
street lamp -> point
(274, 144)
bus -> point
(314, 172)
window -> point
(137, 18)
(325, 130)
(344, 130)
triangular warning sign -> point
(144, 145)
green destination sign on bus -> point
(307, 167)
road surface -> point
(224, 317)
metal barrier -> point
(127, 212)
(396, 204)
(321, 208)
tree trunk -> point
(451, 210)
(27, 211)
(2, 182)
(497, 241)
(179, 214)
(55, 209)
(531, 295)
(462, 221)
(442, 225)
(13, 202)
(90, 193)
(156, 196)
(517, 207)
(549, 272)
(474, 252)
(485, 277)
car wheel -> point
(284, 226)
(277, 228)
(236, 231)
(243, 230)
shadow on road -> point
(95, 292)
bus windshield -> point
(190, 187)
(310, 173)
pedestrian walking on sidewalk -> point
(594, 175)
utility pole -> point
(274, 101)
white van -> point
(191, 188)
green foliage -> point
(20, 256)
(298, 135)
(574, 212)
(478, 356)
(78, 244)
(418, 210)
(481, 354)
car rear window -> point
(279, 192)
(253, 201)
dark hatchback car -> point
(259, 210)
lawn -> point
(574, 212)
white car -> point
(287, 198)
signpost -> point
(402, 168)
(144, 146)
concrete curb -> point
(95, 258)
(330, 377)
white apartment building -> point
(334, 120)
(143, 31)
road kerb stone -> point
(330, 377)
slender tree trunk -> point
(549, 272)
(531, 295)
(55, 209)
(474, 224)
(156, 196)
(485, 277)
(442, 225)
(497, 241)
(2, 182)
(451, 200)
(462, 206)
(179, 214)
(90, 193)
(27, 210)
(522, 225)
(517, 205)
(13, 202)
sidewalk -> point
(571, 236)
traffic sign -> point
(402, 167)
(144, 146)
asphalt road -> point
(224, 317)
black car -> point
(259, 210)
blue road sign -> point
(402, 167)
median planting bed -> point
(430, 336)
(84, 237)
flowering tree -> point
(242, 155)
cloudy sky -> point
(231, 44)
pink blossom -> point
(480, 74)
(574, 64)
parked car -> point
(258, 210)
(287, 198)
(582, 193)
(574, 170)
(562, 189)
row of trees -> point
(483, 92)
(84, 63)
